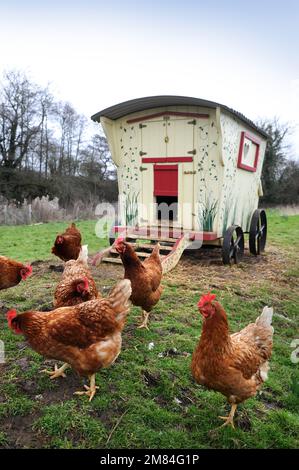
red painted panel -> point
(167, 113)
(156, 231)
(165, 180)
(166, 159)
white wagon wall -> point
(240, 188)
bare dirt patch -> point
(20, 433)
(205, 267)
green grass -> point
(150, 394)
(34, 242)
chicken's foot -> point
(229, 420)
(91, 390)
(144, 324)
(56, 372)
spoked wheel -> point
(233, 245)
(258, 232)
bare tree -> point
(46, 108)
(96, 159)
(19, 119)
(46, 141)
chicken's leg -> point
(145, 316)
(91, 390)
(56, 372)
(229, 420)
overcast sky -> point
(96, 54)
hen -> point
(145, 277)
(87, 337)
(235, 365)
(12, 272)
(68, 245)
(77, 284)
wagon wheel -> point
(258, 232)
(233, 245)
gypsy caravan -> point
(200, 159)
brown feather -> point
(86, 336)
(66, 293)
(232, 364)
(145, 277)
(10, 272)
(71, 246)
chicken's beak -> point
(206, 310)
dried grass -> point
(41, 210)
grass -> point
(150, 393)
(34, 242)
(207, 214)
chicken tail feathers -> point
(265, 319)
(119, 298)
(83, 255)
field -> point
(148, 399)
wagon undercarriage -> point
(174, 241)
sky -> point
(96, 54)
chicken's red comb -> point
(206, 299)
(29, 269)
(86, 283)
(11, 314)
(119, 239)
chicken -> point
(77, 284)
(235, 365)
(68, 245)
(87, 337)
(145, 277)
(12, 272)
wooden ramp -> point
(171, 249)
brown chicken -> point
(145, 277)
(235, 365)
(12, 272)
(77, 284)
(68, 245)
(87, 337)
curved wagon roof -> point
(140, 104)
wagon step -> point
(111, 260)
(169, 261)
(134, 236)
(140, 254)
(150, 246)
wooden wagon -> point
(186, 166)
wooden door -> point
(165, 180)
